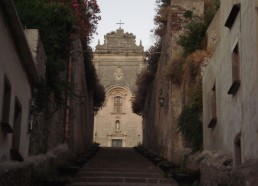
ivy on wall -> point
(189, 122)
(146, 77)
(193, 42)
(54, 22)
(194, 36)
(58, 21)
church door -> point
(116, 143)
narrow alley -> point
(120, 166)
(128, 92)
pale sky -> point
(137, 16)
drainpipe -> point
(67, 111)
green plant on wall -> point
(54, 22)
(192, 39)
(189, 122)
(191, 127)
(188, 14)
(194, 36)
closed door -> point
(116, 143)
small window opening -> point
(15, 155)
(232, 15)
(213, 120)
(237, 143)
(235, 71)
(5, 125)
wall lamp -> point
(161, 101)
(161, 98)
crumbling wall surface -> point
(34, 168)
(245, 174)
(216, 169)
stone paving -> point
(120, 167)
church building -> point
(117, 62)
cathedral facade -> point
(117, 62)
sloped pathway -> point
(120, 167)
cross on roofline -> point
(120, 23)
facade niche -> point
(6, 107)
(235, 71)
(117, 125)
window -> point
(118, 104)
(6, 107)
(15, 155)
(237, 149)
(213, 120)
(232, 15)
(235, 71)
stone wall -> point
(235, 112)
(80, 114)
(50, 128)
(39, 129)
(34, 168)
(235, 129)
(72, 124)
(160, 129)
(37, 50)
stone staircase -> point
(120, 167)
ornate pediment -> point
(119, 42)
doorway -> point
(117, 142)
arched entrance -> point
(115, 124)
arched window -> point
(118, 104)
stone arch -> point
(124, 91)
(118, 92)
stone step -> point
(123, 184)
(118, 174)
(123, 180)
(120, 167)
(118, 170)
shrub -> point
(93, 83)
(194, 36)
(188, 14)
(98, 96)
(143, 83)
(175, 70)
(191, 127)
(189, 122)
(56, 21)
